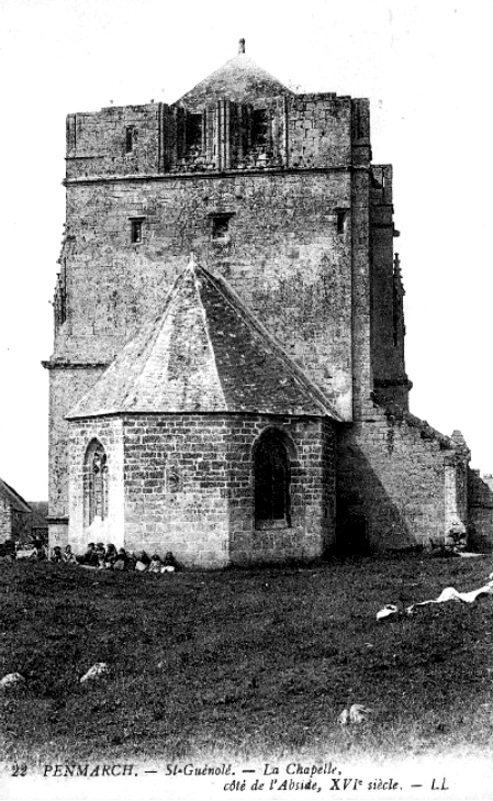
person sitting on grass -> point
(142, 561)
(122, 561)
(69, 557)
(90, 558)
(169, 563)
(101, 555)
(56, 556)
(39, 553)
(111, 556)
(155, 564)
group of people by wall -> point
(96, 557)
(108, 557)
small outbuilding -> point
(14, 512)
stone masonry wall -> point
(296, 249)
(67, 385)
(190, 489)
(312, 493)
(360, 291)
(97, 142)
(283, 252)
(305, 130)
(480, 497)
(5, 519)
(108, 432)
(285, 258)
(387, 319)
(393, 471)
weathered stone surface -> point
(275, 194)
(185, 483)
(12, 681)
(96, 672)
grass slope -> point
(242, 663)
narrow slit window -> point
(136, 230)
(95, 483)
(341, 216)
(129, 138)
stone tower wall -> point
(299, 227)
(283, 254)
(67, 385)
(387, 313)
(480, 493)
(403, 477)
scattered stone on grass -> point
(389, 609)
(357, 713)
(12, 681)
(97, 671)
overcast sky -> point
(426, 67)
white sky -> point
(426, 67)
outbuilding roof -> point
(206, 352)
(14, 499)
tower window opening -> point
(136, 230)
(194, 133)
(341, 216)
(220, 227)
(130, 136)
(260, 128)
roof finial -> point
(241, 46)
(192, 263)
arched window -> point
(95, 483)
(272, 479)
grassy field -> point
(244, 662)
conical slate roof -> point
(240, 78)
(205, 353)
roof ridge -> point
(193, 266)
(157, 327)
(15, 494)
(303, 381)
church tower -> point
(275, 194)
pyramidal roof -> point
(205, 353)
(240, 78)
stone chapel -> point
(228, 379)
